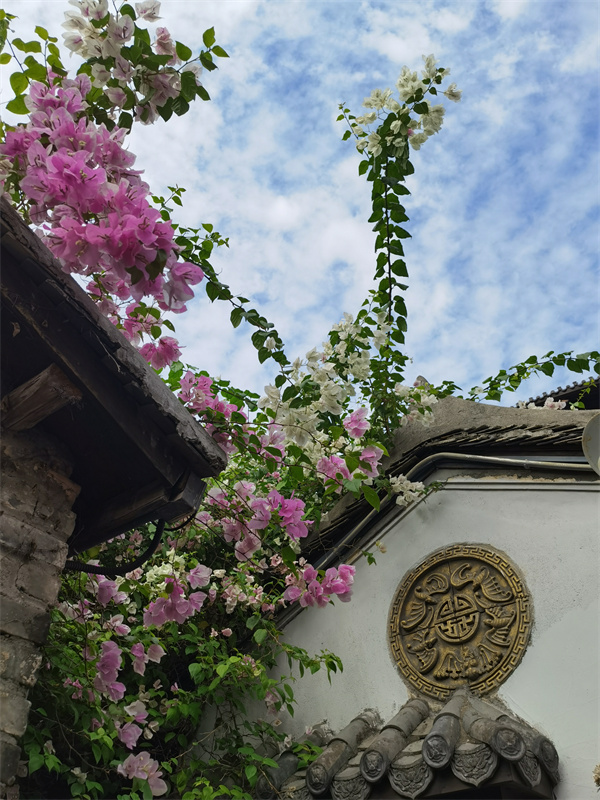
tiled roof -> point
(463, 426)
(571, 394)
(423, 752)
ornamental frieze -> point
(462, 617)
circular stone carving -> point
(462, 617)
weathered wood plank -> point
(37, 398)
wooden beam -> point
(36, 399)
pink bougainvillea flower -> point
(162, 354)
(155, 653)
(144, 767)
(199, 576)
(129, 734)
(115, 624)
(107, 591)
(137, 710)
(335, 468)
(175, 607)
(140, 659)
(371, 455)
(356, 423)
(245, 549)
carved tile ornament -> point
(462, 617)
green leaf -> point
(3, 28)
(260, 635)
(27, 47)
(154, 62)
(180, 106)
(346, 136)
(208, 37)
(157, 266)
(371, 496)
(236, 316)
(5, 58)
(252, 622)
(42, 33)
(399, 268)
(188, 85)
(36, 760)
(183, 51)
(223, 669)
(166, 110)
(207, 62)
(147, 793)
(127, 9)
(289, 393)
(36, 72)
(142, 35)
(363, 167)
(17, 105)
(125, 120)
(574, 365)
(218, 51)
(250, 771)
(18, 82)
(288, 556)
(202, 93)
(296, 472)
(196, 672)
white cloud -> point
(509, 9)
(584, 56)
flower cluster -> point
(146, 768)
(308, 590)
(94, 211)
(94, 33)
(108, 667)
(549, 402)
(417, 401)
(428, 118)
(407, 491)
(175, 606)
(240, 514)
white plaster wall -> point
(551, 531)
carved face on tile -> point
(462, 617)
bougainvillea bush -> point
(148, 671)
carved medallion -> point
(462, 617)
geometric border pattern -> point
(508, 664)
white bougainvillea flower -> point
(430, 70)
(148, 10)
(374, 144)
(452, 93)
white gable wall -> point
(550, 530)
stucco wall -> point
(550, 530)
(35, 521)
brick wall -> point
(36, 519)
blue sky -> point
(503, 261)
